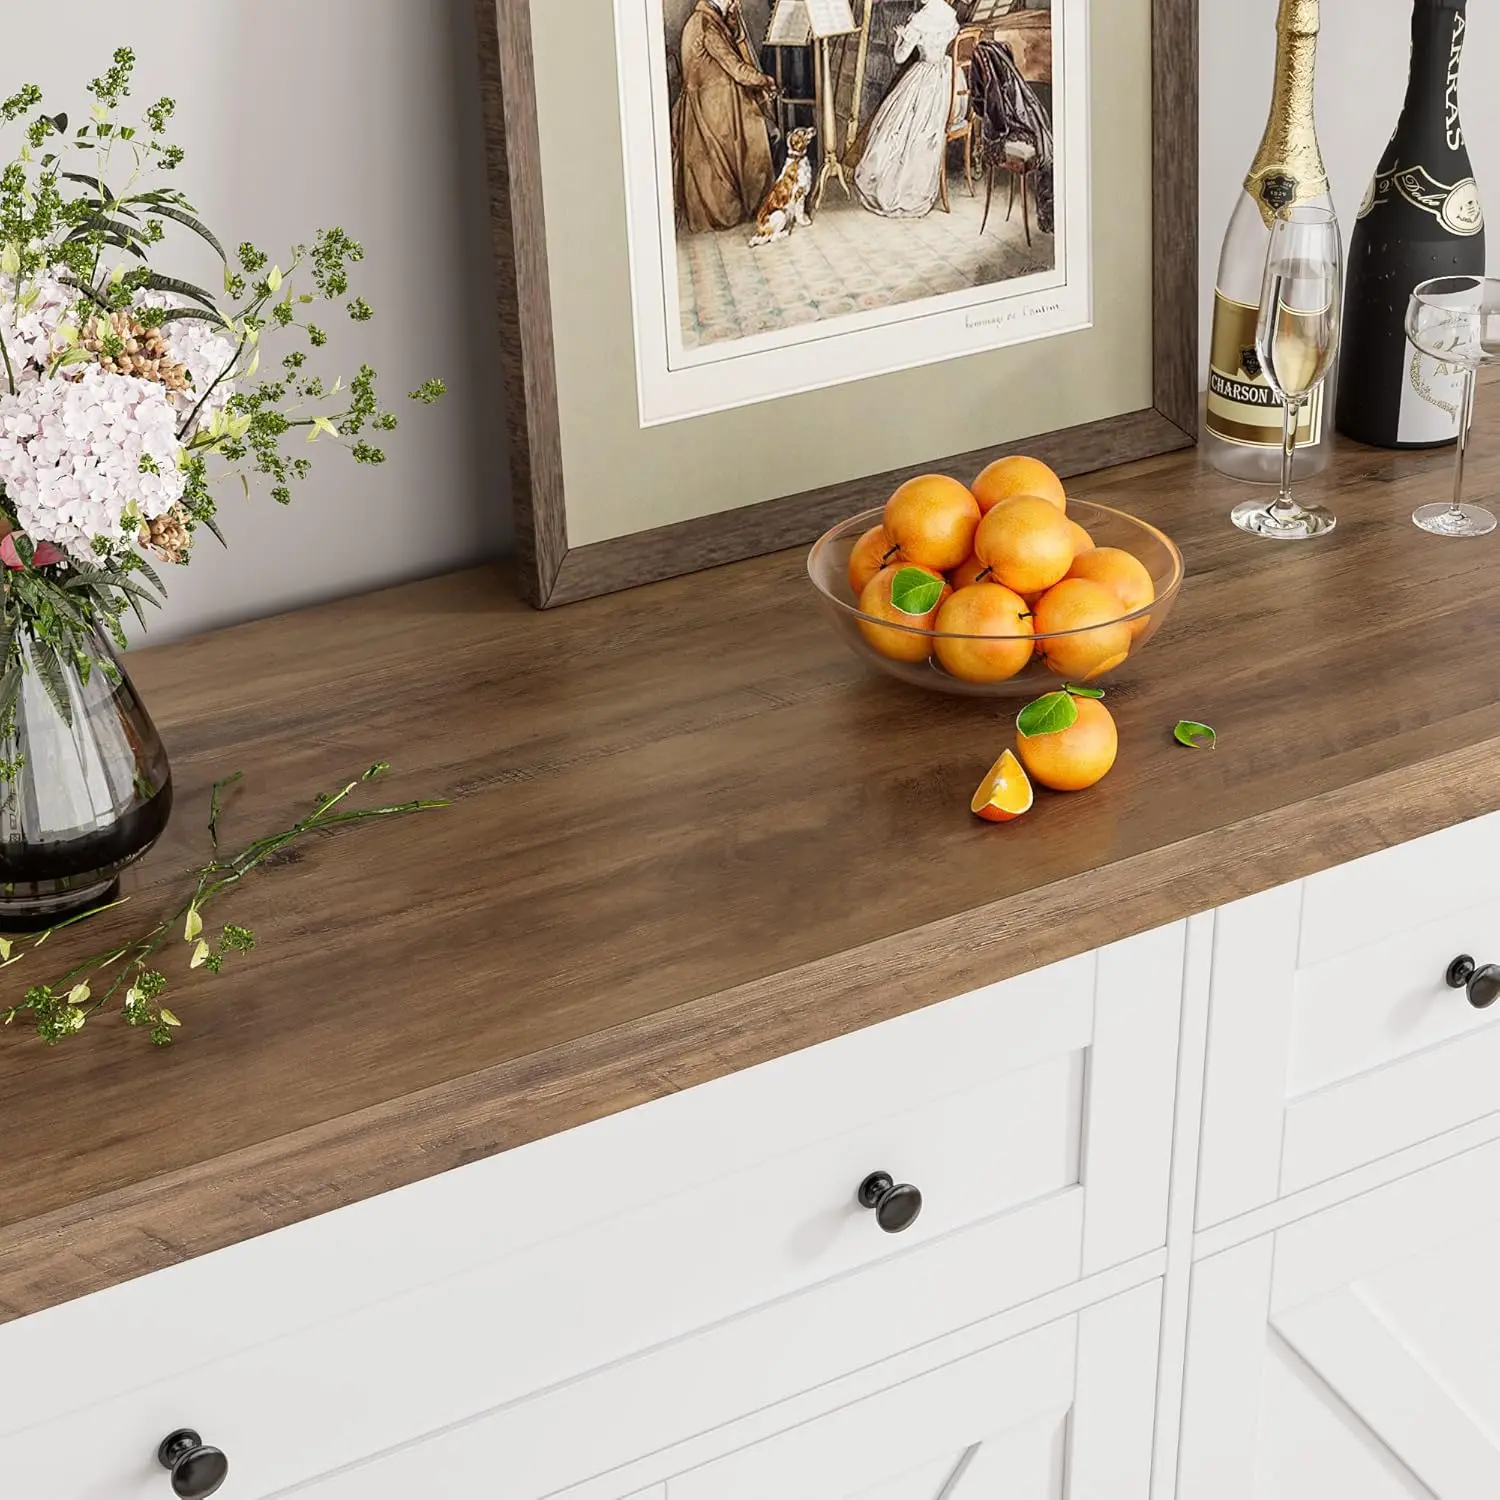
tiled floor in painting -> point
(848, 260)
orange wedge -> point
(1004, 794)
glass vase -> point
(84, 787)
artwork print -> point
(820, 191)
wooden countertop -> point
(691, 832)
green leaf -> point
(5, 946)
(1082, 692)
(78, 994)
(193, 927)
(178, 314)
(200, 955)
(915, 591)
(1194, 735)
(1048, 715)
(168, 1019)
(167, 211)
(10, 260)
(50, 670)
(159, 283)
(273, 281)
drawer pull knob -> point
(896, 1204)
(197, 1470)
(1483, 984)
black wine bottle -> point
(1421, 218)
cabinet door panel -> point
(1354, 1352)
(1061, 1413)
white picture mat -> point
(674, 383)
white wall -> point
(1363, 55)
(298, 114)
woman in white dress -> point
(905, 152)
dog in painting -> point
(786, 203)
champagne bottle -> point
(1421, 218)
(1243, 436)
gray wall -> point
(298, 114)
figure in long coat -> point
(721, 141)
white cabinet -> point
(567, 1307)
(1334, 1039)
(1211, 1213)
(1355, 1352)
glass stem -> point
(1465, 417)
(1291, 409)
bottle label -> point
(1242, 407)
(1456, 206)
(1432, 397)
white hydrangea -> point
(71, 453)
(30, 331)
(203, 349)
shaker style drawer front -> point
(1062, 1413)
(1359, 904)
(1010, 1108)
(1348, 1024)
(1004, 1415)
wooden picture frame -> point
(554, 572)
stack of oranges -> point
(1011, 575)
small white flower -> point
(204, 350)
(71, 454)
(30, 331)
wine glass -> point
(1296, 341)
(1456, 320)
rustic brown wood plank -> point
(523, 294)
(692, 833)
(1174, 209)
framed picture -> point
(758, 261)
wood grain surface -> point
(551, 572)
(691, 832)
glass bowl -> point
(828, 567)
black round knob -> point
(896, 1204)
(197, 1470)
(1482, 984)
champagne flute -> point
(1456, 321)
(1297, 341)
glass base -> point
(1443, 520)
(1297, 525)
(36, 912)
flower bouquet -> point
(127, 396)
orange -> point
(1101, 640)
(872, 552)
(1074, 758)
(1123, 575)
(1082, 541)
(966, 572)
(899, 645)
(1026, 542)
(992, 611)
(932, 519)
(1004, 794)
(1008, 477)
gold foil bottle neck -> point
(1299, 17)
(1288, 169)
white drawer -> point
(1009, 1108)
(1334, 1040)
(1028, 1406)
